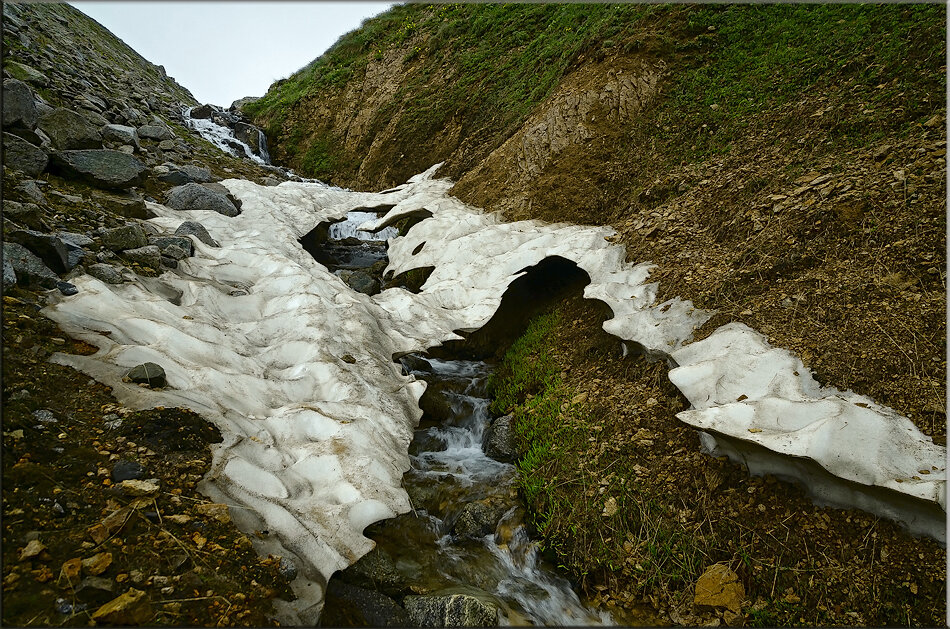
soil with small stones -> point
(799, 563)
(194, 566)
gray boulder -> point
(250, 135)
(499, 440)
(476, 520)
(125, 237)
(68, 130)
(181, 243)
(174, 252)
(193, 196)
(197, 173)
(241, 102)
(149, 256)
(28, 214)
(156, 132)
(149, 374)
(124, 203)
(31, 189)
(9, 275)
(19, 107)
(351, 606)
(29, 269)
(18, 154)
(103, 168)
(453, 610)
(120, 133)
(377, 570)
(26, 73)
(54, 252)
(196, 229)
(362, 282)
(202, 112)
(106, 272)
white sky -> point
(222, 51)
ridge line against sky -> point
(222, 51)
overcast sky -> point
(222, 51)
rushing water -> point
(450, 471)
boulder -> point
(69, 130)
(127, 204)
(9, 275)
(149, 256)
(54, 252)
(106, 273)
(250, 135)
(26, 73)
(202, 112)
(476, 520)
(181, 243)
(197, 173)
(362, 282)
(175, 252)
(453, 610)
(28, 214)
(193, 196)
(434, 403)
(18, 154)
(499, 441)
(239, 104)
(29, 269)
(103, 168)
(121, 134)
(126, 469)
(31, 189)
(149, 374)
(376, 569)
(351, 606)
(125, 237)
(19, 107)
(222, 189)
(196, 229)
(156, 132)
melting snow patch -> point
(252, 335)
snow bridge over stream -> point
(260, 339)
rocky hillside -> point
(783, 165)
(102, 521)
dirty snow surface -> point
(253, 335)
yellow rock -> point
(131, 608)
(719, 587)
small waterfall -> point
(348, 228)
(223, 137)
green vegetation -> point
(487, 66)
(744, 60)
(591, 515)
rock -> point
(222, 189)
(9, 275)
(147, 373)
(29, 269)
(69, 130)
(51, 249)
(202, 112)
(149, 256)
(252, 136)
(376, 570)
(214, 510)
(28, 214)
(240, 103)
(106, 273)
(167, 145)
(127, 204)
(32, 190)
(719, 587)
(351, 606)
(103, 168)
(23, 72)
(196, 229)
(66, 288)
(127, 470)
(197, 173)
(130, 608)
(19, 107)
(476, 520)
(287, 568)
(44, 416)
(434, 403)
(31, 550)
(156, 132)
(454, 610)
(125, 237)
(121, 134)
(97, 564)
(175, 252)
(181, 242)
(18, 154)
(362, 282)
(193, 196)
(499, 441)
(138, 488)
